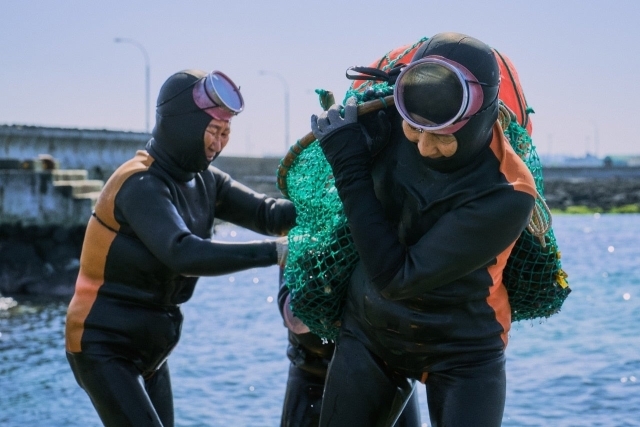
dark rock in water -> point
(39, 260)
(603, 189)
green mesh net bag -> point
(322, 255)
(321, 252)
(536, 284)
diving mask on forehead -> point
(438, 95)
(217, 95)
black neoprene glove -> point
(343, 143)
(377, 129)
(334, 118)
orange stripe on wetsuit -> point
(99, 236)
(518, 175)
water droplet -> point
(251, 388)
(596, 215)
(626, 296)
(232, 279)
(605, 274)
(256, 280)
(623, 379)
(7, 303)
(269, 299)
(233, 234)
(632, 379)
(611, 249)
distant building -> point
(587, 161)
(621, 161)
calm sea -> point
(579, 368)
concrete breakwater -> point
(50, 179)
(43, 214)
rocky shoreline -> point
(39, 260)
(615, 194)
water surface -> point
(579, 368)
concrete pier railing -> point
(99, 152)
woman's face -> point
(216, 137)
(431, 145)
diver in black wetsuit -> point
(434, 215)
(309, 358)
(148, 241)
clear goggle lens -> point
(218, 96)
(437, 95)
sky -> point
(578, 61)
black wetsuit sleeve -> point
(462, 240)
(240, 205)
(146, 205)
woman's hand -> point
(282, 250)
(332, 120)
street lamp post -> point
(286, 104)
(596, 138)
(147, 73)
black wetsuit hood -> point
(178, 136)
(478, 58)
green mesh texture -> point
(373, 91)
(321, 251)
(533, 275)
(322, 255)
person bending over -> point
(433, 215)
